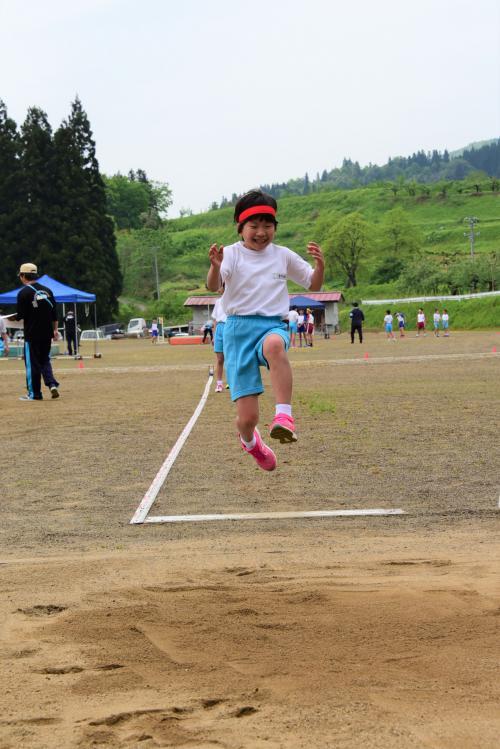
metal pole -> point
(472, 221)
(76, 332)
(95, 326)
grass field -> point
(346, 632)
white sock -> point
(219, 382)
(284, 408)
(251, 444)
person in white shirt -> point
(219, 316)
(420, 322)
(388, 326)
(302, 327)
(445, 320)
(154, 331)
(293, 317)
(437, 320)
(4, 336)
(255, 272)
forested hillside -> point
(379, 241)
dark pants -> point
(37, 363)
(71, 341)
(359, 329)
(208, 331)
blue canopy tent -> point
(304, 302)
(63, 295)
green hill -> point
(434, 218)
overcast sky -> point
(218, 97)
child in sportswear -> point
(420, 322)
(445, 320)
(437, 319)
(388, 325)
(255, 272)
(219, 316)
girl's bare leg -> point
(247, 416)
(219, 367)
(279, 368)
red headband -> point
(256, 209)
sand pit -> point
(345, 632)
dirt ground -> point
(380, 632)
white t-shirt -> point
(154, 327)
(218, 312)
(293, 316)
(256, 279)
(420, 317)
(300, 320)
(445, 317)
(387, 319)
(437, 317)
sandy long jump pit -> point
(326, 632)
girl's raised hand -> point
(316, 252)
(216, 255)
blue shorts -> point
(244, 337)
(219, 338)
(292, 327)
(388, 327)
(436, 326)
(445, 324)
(154, 333)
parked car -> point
(92, 335)
(177, 330)
(137, 328)
(112, 330)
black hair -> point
(354, 304)
(251, 199)
(29, 276)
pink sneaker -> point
(218, 388)
(264, 456)
(283, 428)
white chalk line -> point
(151, 494)
(310, 362)
(269, 515)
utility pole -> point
(472, 221)
(155, 256)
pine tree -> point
(39, 213)
(11, 200)
(87, 257)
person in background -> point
(357, 318)
(420, 322)
(154, 331)
(388, 326)
(219, 317)
(309, 320)
(70, 331)
(401, 323)
(4, 336)
(437, 320)
(293, 317)
(36, 306)
(302, 327)
(207, 329)
(445, 321)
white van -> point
(137, 328)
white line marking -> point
(295, 363)
(269, 515)
(152, 492)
